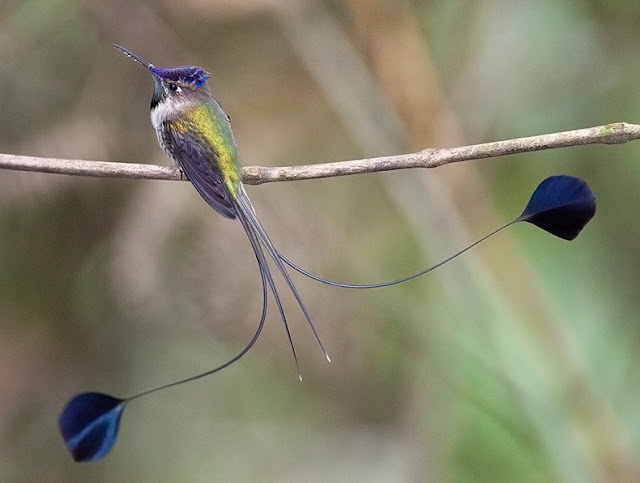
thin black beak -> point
(128, 53)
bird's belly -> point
(166, 145)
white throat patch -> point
(163, 111)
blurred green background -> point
(514, 363)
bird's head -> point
(174, 87)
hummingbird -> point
(196, 133)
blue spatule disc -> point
(89, 425)
(561, 205)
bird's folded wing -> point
(197, 164)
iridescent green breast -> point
(209, 127)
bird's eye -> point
(173, 87)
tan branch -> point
(615, 133)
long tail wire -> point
(264, 276)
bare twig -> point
(615, 133)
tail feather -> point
(259, 239)
(265, 276)
(333, 283)
(247, 207)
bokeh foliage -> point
(516, 363)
